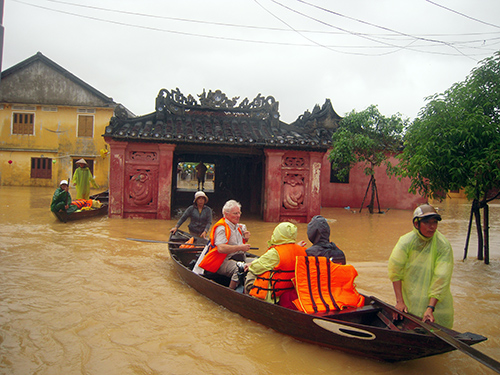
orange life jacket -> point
(80, 203)
(188, 244)
(323, 286)
(213, 258)
(279, 279)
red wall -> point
(392, 193)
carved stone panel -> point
(293, 191)
(295, 186)
(294, 162)
(143, 156)
(141, 188)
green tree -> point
(455, 144)
(369, 138)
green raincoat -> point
(60, 199)
(424, 266)
(82, 178)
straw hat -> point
(82, 161)
(200, 194)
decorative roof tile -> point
(217, 120)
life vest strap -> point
(323, 286)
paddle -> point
(67, 193)
(176, 243)
(457, 344)
(167, 242)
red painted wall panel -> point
(392, 193)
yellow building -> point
(49, 118)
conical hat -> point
(81, 161)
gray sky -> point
(391, 53)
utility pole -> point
(1, 35)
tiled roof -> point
(216, 120)
(39, 57)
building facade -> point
(49, 118)
(277, 171)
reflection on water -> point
(80, 298)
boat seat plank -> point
(387, 321)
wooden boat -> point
(102, 197)
(367, 331)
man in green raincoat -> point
(420, 268)
(61, 200)
(82, 178)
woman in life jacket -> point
(270, 276)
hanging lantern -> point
(104, 152)
(10, 161)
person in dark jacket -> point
(318, 232)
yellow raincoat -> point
(284, 233)
(82, 178)
(424, 266)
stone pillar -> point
(165, 180)
(116, 177)
(272, 185)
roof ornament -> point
(217, 99)
(261, 108)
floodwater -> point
(82, 298)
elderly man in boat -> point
(227, 247)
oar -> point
(176, 243)
(168, 242)
(141, 240)
(67, 193)
(446, 337)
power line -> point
(371, 37)
(295, 30)
(160, 30)
(224, 24)
(364, 36)
(462, 14)
(370, 24)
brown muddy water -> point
(81, 298)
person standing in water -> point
(201, 170)
(420, 268)
(82, 178)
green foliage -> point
(455, 142)
(365, 137)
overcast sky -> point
(391, 53)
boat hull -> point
(364, 331)
(103, 210)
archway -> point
(235, 176)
